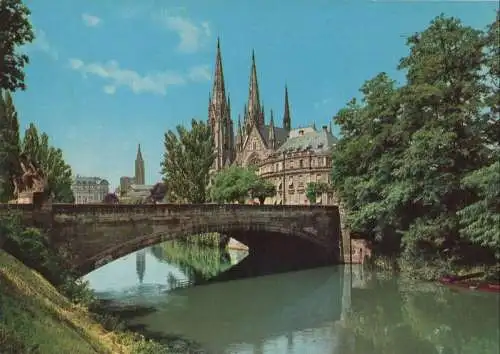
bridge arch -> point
(114, 252)
(92, 235)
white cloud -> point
(42, 44)
(91, 20)
(154, 82)
(200, 73)
(109, 89)
(322, 103)
(192, 36)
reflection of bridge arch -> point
(138, 243)
(302, 301)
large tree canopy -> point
(187, 160)
(9, 146)
(416, 163)
(50, 159)
(15, 30)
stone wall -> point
(99, 233)
(92, 235)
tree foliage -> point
(50, 159)
(15, 30)
(262, 189)
(415, 165)
(158, 192)
(9, 146)
(236, 184)
(314, 189)
(187, 160)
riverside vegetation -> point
(417, 168)
(43, 307)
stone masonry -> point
(93, 235)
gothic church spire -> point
(287, 120)
(219, 116)
(253, 105)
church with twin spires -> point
(289, 158)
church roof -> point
(316, 141)
(281, 134)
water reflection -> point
(338, 310)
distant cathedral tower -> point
(139, 168)
(219, 117)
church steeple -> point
(254, 107)
(218, 88)
(272, 133)
(219, 116)
(287, 120)
(139, 167)
(239, 141)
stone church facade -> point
(289, 158)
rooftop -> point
(308, 139)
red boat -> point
(467, 282)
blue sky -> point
(107, 75)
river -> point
(338, 310)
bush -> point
(31, 246)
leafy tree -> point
(492, 77)
(15, 30)
(313, 189)
(444, 101)
(110, 198)
(50, 159)
(262, 189)
(480, 220)
(403, 166)
(187, 160)
(9, 146)
(158, 192)
(237, 183)
(232, 184)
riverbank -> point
(436, 271)
(36, 318)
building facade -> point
(289, 158)
(89, 190)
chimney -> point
(325, 128)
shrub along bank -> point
(46, 310)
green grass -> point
(36, 318)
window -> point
(301, 163)
(254, 145)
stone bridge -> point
(92, 235)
